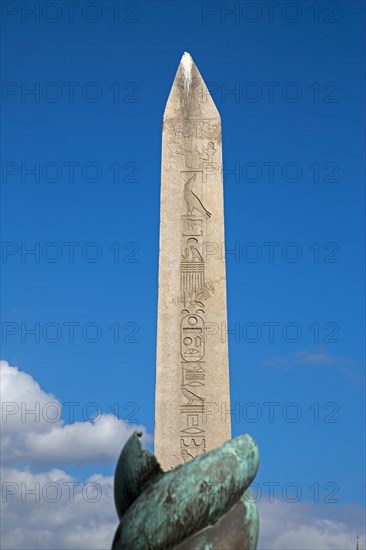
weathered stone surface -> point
(192, 379)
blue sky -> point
(289, 85)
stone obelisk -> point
(192, 401)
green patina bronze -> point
(201, 505)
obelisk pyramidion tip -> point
(187, 63)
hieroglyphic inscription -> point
(192, 284)
(193, 128)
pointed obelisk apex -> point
(192, 403)
(189, 95)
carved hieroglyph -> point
(192, 380)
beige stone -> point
(192, 377)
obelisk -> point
(192, 400)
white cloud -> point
(43, 438)
(317, 358)
(54, 511)
(309, 526)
